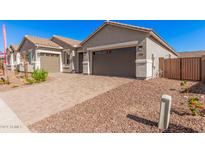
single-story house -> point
(191, 54)
(114, 49)
(53, 55)
(12, 56)
(40, 53)
(117, 49)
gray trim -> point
(113, 46)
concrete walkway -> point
(9, 122)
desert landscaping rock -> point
(132, 107)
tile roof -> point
(42, 41)
(128, 25)
(191, 54)
(69, 41)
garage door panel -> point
(50, 62)
(119, 62)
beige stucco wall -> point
(154, 48)
(112, 35)
(26, 46)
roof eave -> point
(99, 28)
(146, 30)
(164, 43)
(45, 46)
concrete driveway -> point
(9, 122)
(35, 102)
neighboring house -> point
(69, 52)
(12, 57)
(116, 49)
(57, 54)
(16, 55)
(40, 53)
(9, 58)
(191, 54)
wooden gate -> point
(181, 68)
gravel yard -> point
(15, 80)
(132, 107)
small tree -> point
(195, 106)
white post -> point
(72, 60)
(61, 62)
(88, 62)
(165, 111)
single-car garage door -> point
(118, 62)
(50, 62)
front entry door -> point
(80, 62)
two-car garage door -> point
(50, 62)
(118, 62)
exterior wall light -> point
(140, 48)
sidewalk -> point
(9, 122)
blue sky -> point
(182, 35)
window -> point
(66, 58)
(103, 52)
(30, 56)
(108, 51)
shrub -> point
(29, 81)
(15, 86)
(4, 81)
(195, 106)
(39, 75)
(184, 86)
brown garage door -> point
(118, 62)
(50, 62)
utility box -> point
(165, 111)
